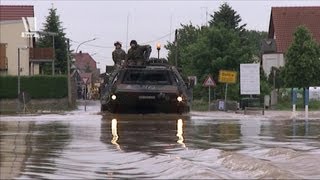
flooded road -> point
(90, 145)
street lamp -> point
(158, 48)
(84, 42)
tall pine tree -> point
(227, 17)
(53, 24)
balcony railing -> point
(41, 54)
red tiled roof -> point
(285, 20)
(83, 61)
(15, 12)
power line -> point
(162, 37)
(93, 45)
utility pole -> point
(68, 74)
(170, 27)
(18, 78)
(54, 55)
(206, 8)
(127, 32)
(176, 45)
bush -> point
(287, 105)
(38, 87)
(199, 105)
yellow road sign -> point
(227, 76)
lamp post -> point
(84, 42)
(176, 47)
(18, 71)
(158, 48)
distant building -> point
(86, 67)
(86, 64)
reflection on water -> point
(48, 140)
(159, 146)
(147, 133)
(115, 136)
(299, 130)
(180, 132)
(293, 130)
(214, 133)
(38, 145)
(156, 135)
(15, 147)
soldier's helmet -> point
(133, 42)
(117, 43)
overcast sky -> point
(148, 22)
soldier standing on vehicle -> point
(138, 54)
(118, 54)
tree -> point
(187, 34)
(206, 50)
(53, 24)
(227, 17)
(254, 39)
(217, 49)
(302, 67)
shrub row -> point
(38, 87)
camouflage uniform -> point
(118, 55)
(138, 55)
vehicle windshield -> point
(153, 77)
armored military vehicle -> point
(155, 87)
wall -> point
(35, 105)
(269, 60)
(10, 33)
(314, 93)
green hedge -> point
(39, 87)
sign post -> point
(208, 83)
(227, 77)
(225, 97)
(85, 79)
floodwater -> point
(90, 145)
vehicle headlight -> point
(179, 98)
(113, 97)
